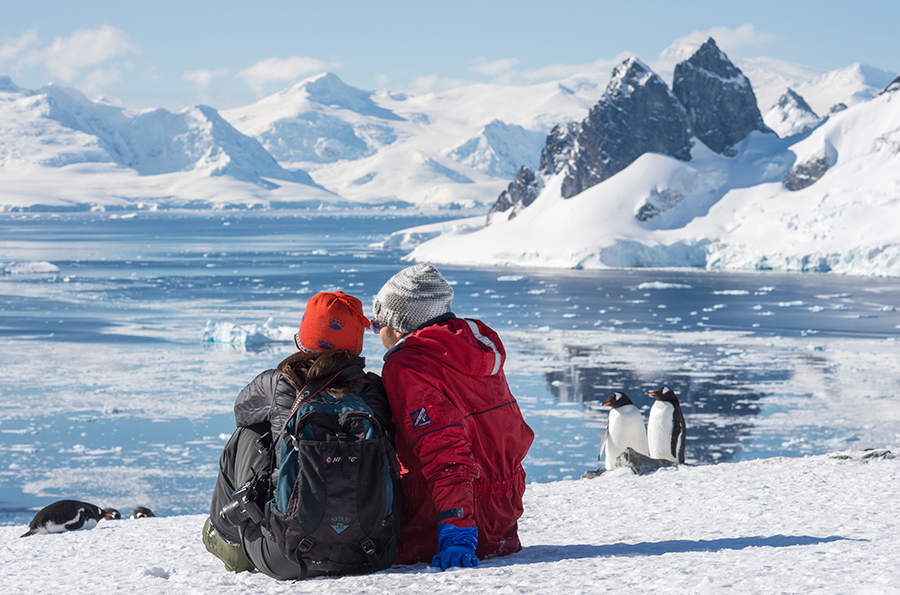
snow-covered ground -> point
(825, 524)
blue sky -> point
(227, 53)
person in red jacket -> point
(460, 434)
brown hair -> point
(302, 368)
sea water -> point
(124, 339)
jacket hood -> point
(464, 344)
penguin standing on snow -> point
(64, 515)
(666, 429)
(624, 428)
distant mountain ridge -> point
(156, 141)
(448, 149)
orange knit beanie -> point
(333, 320)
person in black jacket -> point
(329, 340)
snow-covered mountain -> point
(460, 147)
(814, 202)
(59, 142)
(455, 147)
(791, 115)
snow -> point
(790, 116)
(823, 524)
(734, 212)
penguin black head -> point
(664, 393)
(142, 512)
(111, 514)
(617, 400)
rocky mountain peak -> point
(637, 114)
(558, 147)
(791, 115)
(520, 193)
(718, 98)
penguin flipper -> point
(31, 531)
(603, 444)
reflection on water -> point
(718, 408)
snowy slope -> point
(455, 147)
(821, 90)
(791, 115)
(60, 148)
(719, 212)
(824, 524)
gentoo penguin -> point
(666, 428)
(64, 515)
(142, 512)
(111, 514)
(624, 428)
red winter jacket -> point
(460, 436)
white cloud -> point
(499, 70)
(16, 48)
(431, 83)
(94, 81)
(728, 40)
(277, 69)
(561, 71)
(66, 57)
(203, 78)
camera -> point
(244, 505)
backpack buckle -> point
(305, 545)
(368, 546)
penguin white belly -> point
(626, 429)
(51, 527)
(659, 431)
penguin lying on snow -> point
(112, 514)
(142, 512)
(666, 429)
(67, 515)
(624, 428)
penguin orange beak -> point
(654, 393)
(608, 402)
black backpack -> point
(336, 506)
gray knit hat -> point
(412, 296)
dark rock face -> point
(641, 464)
(558, 148)
(893, 86)
(837, 108)
(520, 193)
(638, 463)
(806, 173)
(637, 114)
(719, 99)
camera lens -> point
(233, 513)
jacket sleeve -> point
(255, 401)
(434, 431)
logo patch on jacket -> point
(419, 418)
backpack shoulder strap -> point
(305, 394)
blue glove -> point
(456, 546)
